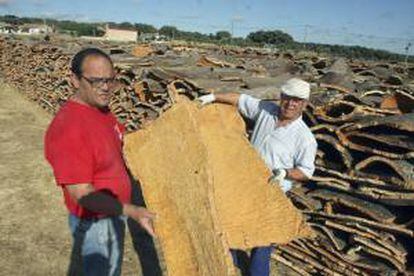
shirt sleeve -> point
(70, 157)
(249, 107)
(305, 160)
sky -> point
(380, 24)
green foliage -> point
(126, 26)
(10, 19)
(28, 20)
(270, 37)
(78, 29)
(169, 31)
(222, 35)
(356, 52)
(145, 28)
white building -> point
(6, 28)
(32, 29)
(120, 35)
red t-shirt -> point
(84, 145)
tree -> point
(145, 28)
(11, 19)
(270, 37)
(222, 35)
(169, 31)
(126, 26)
(76, 28)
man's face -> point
(96, 83)
(291, 107)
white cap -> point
(295, 87)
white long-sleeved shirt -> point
(287, 147)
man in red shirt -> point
(83, 144)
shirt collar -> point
(275, 116)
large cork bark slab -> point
(251, 211)
(209, 189)
(170, 160)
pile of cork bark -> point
(361, 198)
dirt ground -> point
(34, 236)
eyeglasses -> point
(292, 98)
(99, 83)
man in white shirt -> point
(282, 139)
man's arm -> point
(304, 168)
(227, 98)
(292, 174)
(249, 107)
(296, 174)
(305, 162)
(101, 202)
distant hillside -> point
(275, 39)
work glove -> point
(278, 176)
(206, 99)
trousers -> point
(98, 246)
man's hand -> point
(278, 176)
(206, 99)
(140, 215)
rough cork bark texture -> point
(209, 189)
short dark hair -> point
(79, 58)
